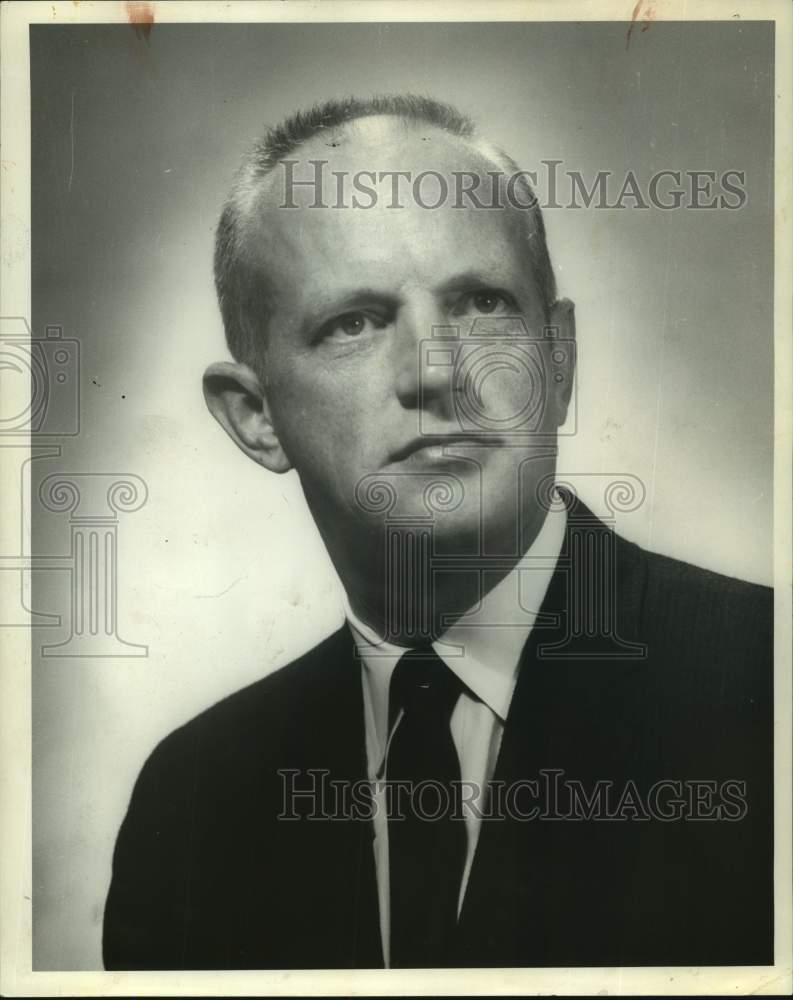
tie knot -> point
(423, 685)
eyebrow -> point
(471, 279)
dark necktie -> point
(426, 848)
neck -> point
(410, 592)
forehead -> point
(293, 242)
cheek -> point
(321, 419)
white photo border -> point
(16, 975)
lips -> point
(436, 443)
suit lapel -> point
(333, 859)
(560, 720)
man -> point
(566, 740)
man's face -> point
(358, 393)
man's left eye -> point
(484, 303)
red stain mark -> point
(141, 17)
(649, 15)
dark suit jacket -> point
(642, 669)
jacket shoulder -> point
(257, 715)
(702, 594)
(200, 801)
(709, 640)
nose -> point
(425, 360)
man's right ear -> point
(236, 399)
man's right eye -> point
(351, 326)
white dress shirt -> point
(483, 649)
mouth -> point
(434, 446)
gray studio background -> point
(221, 574)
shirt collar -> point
(483, 647)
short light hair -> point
(241, 289)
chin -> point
(456, 534)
